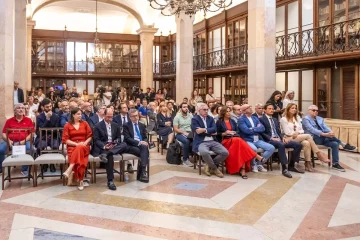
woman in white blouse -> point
(292, 128)
(289, 98)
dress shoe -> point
(52, 168)
(207, 170)
(144, 176)
(218, 173)
(130, 168)
(286, 173)
(294, 169)
(111, 185)
(103, 158)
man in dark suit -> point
(62, 91)
(47, 119)
(107, 137)
(123, 117)
(135, 137)
(18, 93)
(98, 117)
(204, 129)
(272, 135)
(87, 111)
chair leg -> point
(195, 161)
(29, 172)
(271, 163)
(200, 159)
(122, 169)
(312, 159)
(42, 172)
(94, 172)
(329, 157)
(9, 174)
(34, 176)
(3, 178)
(158, 145)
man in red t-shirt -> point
(18, 121)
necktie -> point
(273, 128)
(138, 131)
(124, 121)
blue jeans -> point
(3, 150)
(267, 147)
(186, 145)
(333, 143)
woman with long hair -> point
(159, 95)
(122, 95)
(85, 95)
(292, 128)
(165, 121)
(289, 98)
(195, 99)
(240, 153)
(77, 137)
(275, 100)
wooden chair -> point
(95, 160)
(198, 159)
(18, 160)
(128, 157)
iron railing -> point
(335, 38)
(224, 58)
(83, 67)
(166, 68)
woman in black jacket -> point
(275, 100)
(165, 121)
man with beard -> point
(182, 128)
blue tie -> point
(138, 131)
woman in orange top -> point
(77, 136)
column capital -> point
(147, 30)
(30, 23)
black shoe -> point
(286, 173)
(103, 158)
(350, 148)
(52, 168)
(294, 169)
(130, 168)
(144, 176)
(338, 167)
(45, 167)
(111, 185)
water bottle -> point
(126, 177)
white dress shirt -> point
(108, 130)
(207, 138)
(251, 121)
(16, 97)
(273, 131)
(288, 126)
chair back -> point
(18, 135)
(52, 136)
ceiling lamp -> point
(100, 55)
(189, 7)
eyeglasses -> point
(314, 110)
(205, 109)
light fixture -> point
(189, 7)
(100, 55)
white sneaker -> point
(255, 169)
(188, 163)
(261, 168)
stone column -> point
(146, 56)
(261, 50)
(20, 71)
(7, 21)
(30, 27)
(184, 56)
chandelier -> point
(100, 54)
(189, 7)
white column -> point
(30, 27)
(20, 71)
(261, 50)
(146, 56)
(184, 56)
(7, 21)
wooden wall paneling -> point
(315, 87)
(300, 91)
(341, 93)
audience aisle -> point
(177, 203)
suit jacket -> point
(311, 128)
(20, 95)
(65, 118)
(85, 117)
(255, 115)
(101, 136)
(267, 134)
(93, 120)
(221, 127)
(247, 132)
(42, 122)
(128, 132)
(119, 119)
(197, 122)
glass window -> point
(80, 85)
(324, 12)
(70, 58)
(223, 34)
(307, 89)
(210, 41)
(242, 32)
(91, 87)
(80, 56)
(217, 39)
(91, 66)
(280, 21)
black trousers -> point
(109, 166)
(282, 154)
(141, 151)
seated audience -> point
(259, 110)
(236, 113)
(322, 135)
(143, 109)
(182, 128)
(32, 107)
(18, 121)
(98, 116)
(74, 93)
(151, 118)
(240, 153)
(136, 139)
(204, 129)
(107, 137)
(272, 135)
(66, 116)
(289, 98)
(214, 111)
(292, 128)
(171, 109)
(123, 117)
(275, 100)
(86, 111)
(164, 124)
(210, 98)
(250, 130)
(77, 137)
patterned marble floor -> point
(180, 204)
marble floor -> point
(178, 203)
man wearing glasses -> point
(205, 130)
(322, 135)
(259, 111)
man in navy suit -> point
(107, 137)
(65, 118)
(123, 117)
(47, 119)
(136, 138)
(98, 117)
(272, 135)
(250, 129)
(204, 129)
(322, 135)
(87, 111)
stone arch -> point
(112, 2)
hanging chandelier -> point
(189, 7)
(100, 54)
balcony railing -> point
(335, 38)
(166, 68)
(83, 67)
(224, 58)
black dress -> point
(163, 130)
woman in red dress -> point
(240, 153)
(77, 136)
